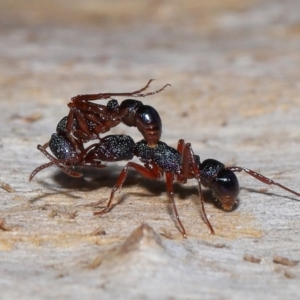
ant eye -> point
(226, 188)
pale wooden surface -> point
(234, 70)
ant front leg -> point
(262, 178)
(190, 169)
(40, 168)
(109, 95)
(81, 131)
(144, 171)
(85, 106)
(135, 94)
(180, 146)
(53, 161)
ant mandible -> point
(182, 164)
(93, 119)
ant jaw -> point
(227, 203)
(227, 208)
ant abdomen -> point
(111, 148)
(62, 125)
(61, 147)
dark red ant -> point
(87, 120)
(93, 119)
(108, 149)
(182, 164)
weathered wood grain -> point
(234, 71)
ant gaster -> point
(93, 119)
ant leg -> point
(46, 145)
(69, 130)
(188, 165)
(169, 183)
(88, 107)
(40, 168)
(109, 95)
(103, 124)
(180, 146)
(60, 164)
(63, 168)
(144, 171)
(261, 178)
(76, 119)
(187, 172)
(76, 115)
(54, 161)
(150, 93)
(140, 90)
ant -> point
(87, 120)
(182, 164)
(178, 164)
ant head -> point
(225, 187)
(221, 181)
(148, 122)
